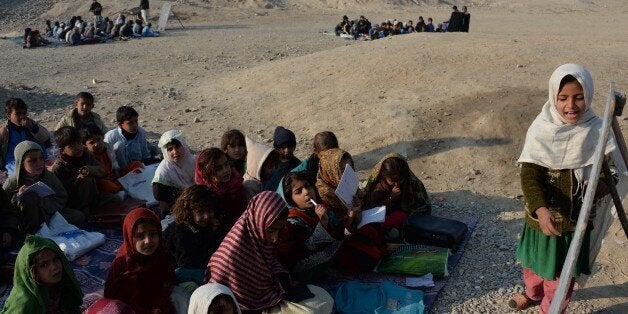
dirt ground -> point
(452, 103)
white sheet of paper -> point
(39, 188)
(375, 214)
(348, 186)
(423, 281)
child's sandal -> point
(520, 302)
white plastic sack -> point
(138, 183)
(73, 241)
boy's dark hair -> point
(13, 104)
(86, 96)
(232, 138)
(289, 180)
(207, 159)
(87, 133)
(394, 166)
(126, 113)
(219, 304)
(193, 197)
(324, 140)
(67, 135)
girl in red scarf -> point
(246, 263)
(214, 171)
(140, 275)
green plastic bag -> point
(415, 260)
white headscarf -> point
(553, 143)
(177, 174)
(205, 294)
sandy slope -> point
(449, 102)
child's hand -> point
(321, 212)
(6, 239)
(546, 223)
(21, 189)
(396, 192)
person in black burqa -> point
(144, 10)
(455, 21)
(96, 8)
(466, 19)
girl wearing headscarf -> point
(392, 184)
(141, 275)
(43, 281)
(332, 164)
(261, 165)
(245, 262)
(176, 171)
(556, 163)
(213, 298)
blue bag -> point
(353, 297)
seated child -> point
(129, 139)
(322, 141)
(12, 238)
(137, 27)
(141, 275)
(48, 28)
(245, 261)
(175, 172)
(213, 170)
(429, 27)
(393, 185)
(33, 38)
(261, 163)
(78, 171)
(295, 243)
(213, 298)
(284, 143)
(82, 115)
(73, 37)
(19, 128)
(331, 167)
(195, 234)
(234, 145)
(148, 31)
(92, 138)
(43, 281)
(126, 31)
(34, 209)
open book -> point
(39, 188)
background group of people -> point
(362, 28)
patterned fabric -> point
(328, 178)
(244, 262)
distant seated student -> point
(261, 163)
(126, 31)
(429, 27)
(234, 146)
(19, 128)
(148, 31)
(32, 208)
(92, 138)
(33, 38)
(129, 139)
(284, 142)
(78, 170)
(82, 115)
(175, 172)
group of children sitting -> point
(76, 31)
(362, 29)
(252, 223)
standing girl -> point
(556, 162)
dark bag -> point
(435, 231)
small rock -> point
(475, 171)
(197, 120)
(520, 65)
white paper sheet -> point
(348, 186)
(39, 188)
(375, 214)
(426, 281)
